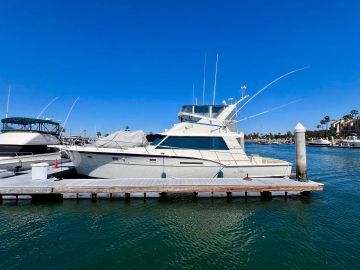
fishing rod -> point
(47, 106)
(266, 86)
(269, 110)
(8, 101)
(67, 117)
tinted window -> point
(217, 108)
(202, 109)
(187, 109)
(154, 139)
(198, 143)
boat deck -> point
(22, 184)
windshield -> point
(155, 139)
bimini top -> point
(26, 124)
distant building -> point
(346, 127)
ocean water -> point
(321, 231)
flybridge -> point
(25, 124)
(192, 113)
(217, 115)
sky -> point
(133, 63)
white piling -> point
(300, 146)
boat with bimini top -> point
(24, 141)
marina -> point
(47, 183)
(179, 135)
(203, 154)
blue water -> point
(317, 232)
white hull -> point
(27, 138)
(140, 166)
(24, 162)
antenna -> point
(8, 101)
(203, 93)
(266, 86)
(216, 70)
(47, 106)
(193, 97)
(242, 88)
(71, 108)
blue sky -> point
(134, 62)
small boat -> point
(319, 142)
(24, 141)
(352, 142)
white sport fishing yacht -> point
(204, 144)
(24, 141)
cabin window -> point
(198, 143)
(155, 139)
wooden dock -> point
(20, 185)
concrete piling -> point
(300, 149)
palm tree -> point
(354, 113)
(327, 121)
(322, 123)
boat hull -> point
(102, 165)
(318, 144)
(24, 162)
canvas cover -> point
(122, 139)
